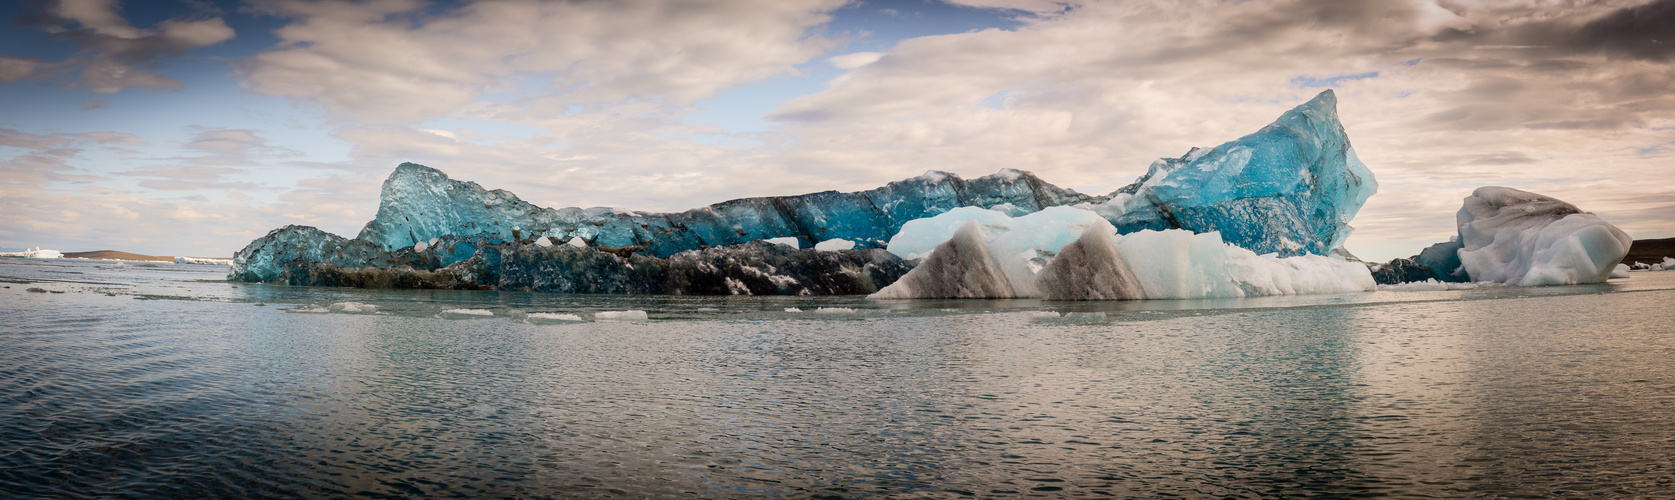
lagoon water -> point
(164, 381)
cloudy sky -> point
(190, 127)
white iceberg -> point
(1035, 257)
(1522, 238)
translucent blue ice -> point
(1290, 188)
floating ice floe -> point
(353, 308)
(630, 315)
(551, 318)
(464, 313)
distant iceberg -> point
(1521, 238)
(1287, 190)
(35, 253)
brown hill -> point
(1650, 251)
(114, 255)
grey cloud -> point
(114, 54)
(1641, 32)
(1502, 158)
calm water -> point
(164, 381)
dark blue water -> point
(163, 382)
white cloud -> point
(855, 59)
(386, 62)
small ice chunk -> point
(834, 245)
(576, 241)
(630, 315)
(793, 310)
(790, 241)
(543, 242)
(434, 241)
(551, 318)
(834, 310)
(353, 308)
(421, 246)
(465, 313)
(1042, 314)
(309, 309)
(1620, 272)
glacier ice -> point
(1516, 237)
(418, 203)
(1288, 189)
(960, 268)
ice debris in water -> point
(1290, 188)
(308, 309)
(1516, 237)
(464, 313)
(630, 315)
(1621, 271)
(834, 310)
(789, 241)
(1171, 264)
(353, 308)
(551, 318)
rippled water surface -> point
(165, 381)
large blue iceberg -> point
(1291, 189)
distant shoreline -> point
(119, 255)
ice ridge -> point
(419, 203)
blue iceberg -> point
(1288, 189)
